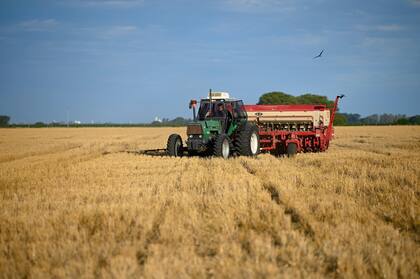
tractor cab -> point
(217, 114)
(220, 107)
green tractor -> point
(220, 129)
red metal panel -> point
(284, 107)
(307, 141)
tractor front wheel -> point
(174, 146)
(222, 146)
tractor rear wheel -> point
(222, 146)
(174, 146)
(247, 141)
(291, 149)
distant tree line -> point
(178, 121)
(380, 119)
(281, 98)
(272, 98)
(4, 120)
(166, 122)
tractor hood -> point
(205, 128)
(200, 127)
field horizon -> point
(81, 203)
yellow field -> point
(73, 205)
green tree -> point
(352, 118)
(281, 98)
(39, 124)
(340, 119)
(276, 98)
(402, 121)
(314, 99)
(4, 120)
(179, 121)
(414, 119)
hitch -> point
(158, 152)
(152, 152)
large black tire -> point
(209, 151)
(222, 146)
(174, 146)
(280, 149)
(291, 149)
(247, 140)
(193, 153)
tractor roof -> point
(216, 95)
(219, 95)
(226, 100)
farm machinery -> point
(225, 127)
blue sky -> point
(132, 60)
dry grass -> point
(72, 205)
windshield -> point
(221, 109)
(202, 111)
(207, 110)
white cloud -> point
(38, 25)
(389, 27)
(108, 32)
(415, 2)
(111, 3)
(381, 27)
(300, 39)
(390, 46)
(373, 42)
(119, 30)
(259, 5)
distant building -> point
(77, 122)
(157, 119)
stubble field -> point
(73, 203)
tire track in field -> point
(298, 222)
(152, 236)
(78, 154)
(57, 150)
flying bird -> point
(319, 55)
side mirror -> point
(193, 103)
